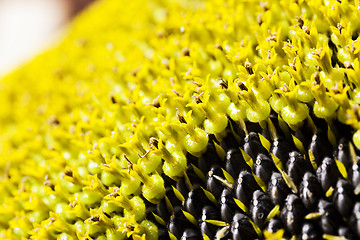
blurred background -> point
(29, 26)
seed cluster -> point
(143, 107)
(266, 183)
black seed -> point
(235, 162)
(195, 200)
(245, 186)
(297, 166)
(263, 167)
(260, 207)
(342, 153)
(327, 173)
(208, 213)
(320, 147)
(292, 214)
(278, 189)
(241, 228)
(310, 231)
(344, 198)
(281, 148)
(178, 223)
(330, 219)
(252, 145)
(310, 191)
(228, 206)
(212, 184)
(191, 234)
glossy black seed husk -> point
(263, 167)
(278, 190)
(260, 207)
(330, 219)
(208, 212)
(227, 205)
(245, 185)
(310, 191)
(195, 200)
(235, 162)
(292, 214)
(178, 223)
(297, 166)
(212, 184)
(241, 228)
